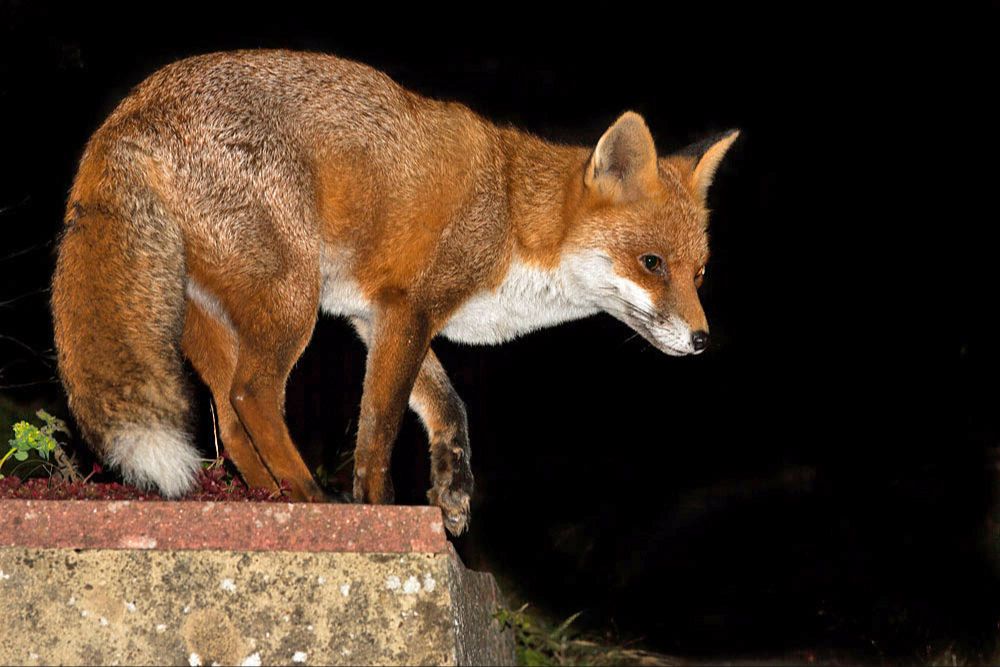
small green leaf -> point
(52, 423)
(21, 455)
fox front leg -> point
(443, 415)
(396, 349)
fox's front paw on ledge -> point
(452, 490)
(372, 489)
(455, 505)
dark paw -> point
(455, 506)
(452, 490)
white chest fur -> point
(529, 298)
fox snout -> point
(673, 320)
(677, 338)
(670, 318)
(685, 329)
(667, 313)
(677, 327)
(699, 340)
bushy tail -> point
(118, 306)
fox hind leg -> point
(212, 348)
(272, 335)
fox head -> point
(640, 235)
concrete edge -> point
(228, 526)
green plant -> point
(542, 644)
(537, 645)
(29, 438)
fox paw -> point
(455, 505)
(452, 489)
(374, 489)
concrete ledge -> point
(235, 526)
(94, 582)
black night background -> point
(821, 482)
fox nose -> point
(699, 340)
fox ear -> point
(624, 156)
(703, 159)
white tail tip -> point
(154, 457)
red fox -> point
(232, 197)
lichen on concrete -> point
(124, 606)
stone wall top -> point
(229, 526)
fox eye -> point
(699, 277)
(653, 263)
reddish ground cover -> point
(214, 484)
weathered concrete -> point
(238, 605)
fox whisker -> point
(632, 308)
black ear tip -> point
(699, 148)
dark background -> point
(822, 479)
